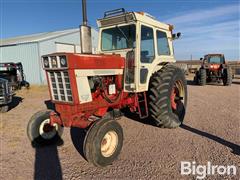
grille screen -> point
(60, 86)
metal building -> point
(29, 49)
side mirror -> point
(201, 59)
(176, 36)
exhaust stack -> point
(85, 32)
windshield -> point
(215, 59)
(119, 37)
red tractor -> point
(213, 69)
(134, 69)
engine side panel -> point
(83, 86)
(80, 61)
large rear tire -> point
(103, 142)
(227, 77)
(168, 97)
(39, 130)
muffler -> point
(85, 32)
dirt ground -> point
(211, 132)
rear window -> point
(162, 43)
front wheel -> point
(103, 142)
(168, 97)
(202, 77)
(39, 130)
(4, 108)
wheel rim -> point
(109, 143)
(177, 94)
(46, 130)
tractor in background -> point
(13, 72)
(6, 95)
(12, 78)
(134, 68)
(213, 69)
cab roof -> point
(214, 55)
(127, 17)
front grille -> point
(60, 86)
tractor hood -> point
(81, 61)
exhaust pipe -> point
(85, 32)
(84, 11)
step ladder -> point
(142, 105)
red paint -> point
(172, 98)
(214, 66)
(80, 61)
(119, 81)
(101, 111)
(77, 114)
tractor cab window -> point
(215, 59)
(162, 43)
(147, 45)
(119, 37)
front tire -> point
(103, 142)
(202, 77)
(26, 85)
(39, 130)
(195, 79)
(4, 108)
(168, 97)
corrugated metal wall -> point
(49, 46)
(28, 55)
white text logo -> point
(201, 171)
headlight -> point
(45, 62)
(54, 61)
(63, 61)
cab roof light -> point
(142, 13)
(171, 27)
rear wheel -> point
(227, 77)
(168, 97)
(202, 77)
(39, 130)
(103, 142)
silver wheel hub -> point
(47, 131)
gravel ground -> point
(211, 132)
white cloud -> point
(214, 30)
(193, 16)
(215, 26)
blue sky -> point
(207, 26)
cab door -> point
(146, 56)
